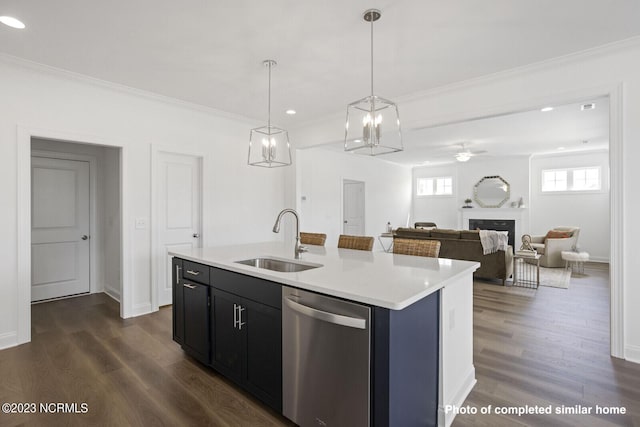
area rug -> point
(555, 277)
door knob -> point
(196, 235)
(345, 221)
(84, 237)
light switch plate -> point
(141, 223)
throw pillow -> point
(554, 234)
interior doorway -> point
(353, 216)
(178, 213)
(60, 250)
(75, 220)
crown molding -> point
(117, 87)
(591, 53)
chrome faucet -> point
(276, 229)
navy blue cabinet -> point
(233, 323)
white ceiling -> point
(565, 129)
(562, 130)
(210, 52)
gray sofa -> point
(465, 245)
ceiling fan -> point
(465, 154)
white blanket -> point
(493, 241)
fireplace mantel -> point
(519, 215)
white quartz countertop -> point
(376, 278)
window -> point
(554, 180)
(586, 179)
(441, 186)
(574, 179)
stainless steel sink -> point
(276, 264)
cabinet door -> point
(226, 336)
(263, 366)
(196, 320)
(178, 302)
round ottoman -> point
(575, 260)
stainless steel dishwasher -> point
(325, 360)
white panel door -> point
(353, 206)
(59, 228)
(179, 213)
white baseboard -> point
(632, 353)
(445, 419)
(599, 259)
(112, 292)
(140, 309)
(8, 339)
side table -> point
(386, 236)
(526, 271)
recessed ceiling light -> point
(12, 22)
(290, 112)
(545, 109)
(357, 140)
(588, 106)
(560, 148)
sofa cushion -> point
(445, 234)
(470, 234)
(412, 232)
(555, 234)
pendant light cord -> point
(269, 101)
(371, 17)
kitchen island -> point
(421, 351)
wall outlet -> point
(141, 223)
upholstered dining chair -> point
(427, 248)
(362, 243)
(313, 238)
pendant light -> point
(373, 123)
(269, 145)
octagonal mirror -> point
(491, 192)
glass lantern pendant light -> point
(373, 123)
(269, 145)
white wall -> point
(240, 202)
(443, 210)
(320, 175)
(588, 210)
(613, 70)
(111, 224)
(107, 215)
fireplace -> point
(508, 225)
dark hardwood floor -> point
(544, 347)
(129, 372)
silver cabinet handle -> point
(195, 273)
(84, 237)
(196, 235)
(337, 319)
(240, 322)
(235, 316)
(186, 285)
(178, 274)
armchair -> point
(550, 248)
